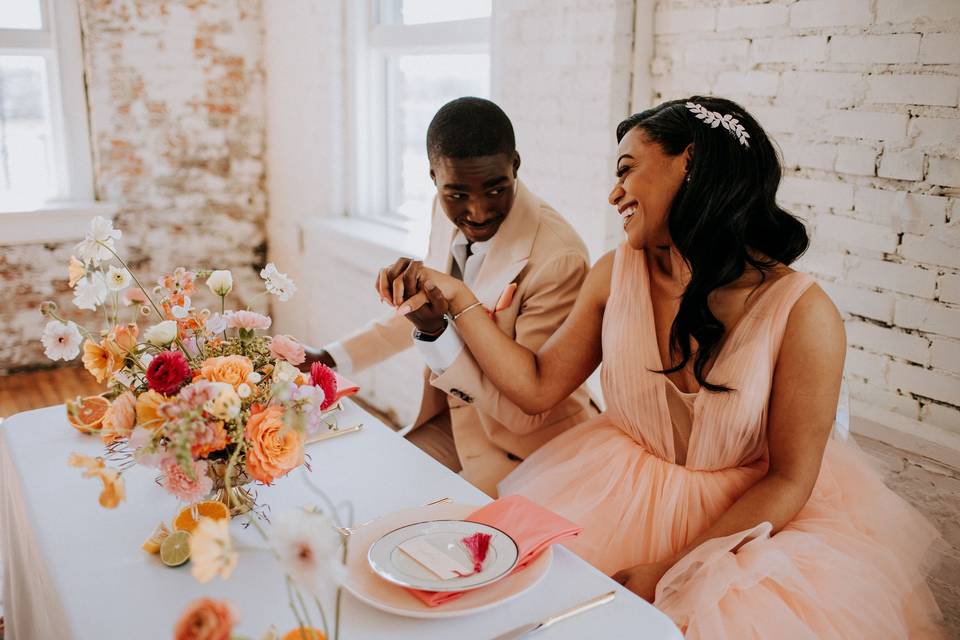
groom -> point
(526, 265)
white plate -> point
(369, 588)
(392, 564)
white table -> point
(75, 570)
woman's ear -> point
(687, 157)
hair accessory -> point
(716, 119)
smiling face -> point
(476, 194)
(648, 180)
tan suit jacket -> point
(539, 251)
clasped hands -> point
(425, 296)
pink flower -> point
(177, 482)
(247, 320)
(133, 295)
(323, 376)
(286, 348)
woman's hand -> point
(422, 294)
(642, 579)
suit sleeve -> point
(548, 299)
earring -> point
(687, 179)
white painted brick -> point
(833, 88)
(902, 165)
(878, 205)
(716, 52)
(883, 340)
(883, 399)
(941, 415)
(827, 263)
(940, 247)
(861, 302)
(893, 276)
(756, 16)
(948, 288)
(924, 382)
(932, 132)
(829, 13)
(940, 48)
(789, 49)
(868, 366)
(920, 212)
(891, 49)
(944, 171)
(929, 317)
(903, 88)
(820, 193)
(856, 233)
(684, 20)
(945, 354)
(815, 156)
(777, 119)
(929, 11)
(856, 159)
(864, 124)
(751, 83)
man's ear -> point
(433, 176)
(516, 164)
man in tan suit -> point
(526, 264)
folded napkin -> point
(532, 527)
(345, 388)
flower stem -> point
(132, 275)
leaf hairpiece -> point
(716, 119)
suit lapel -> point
(510, 248)
(442, 232)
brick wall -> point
(862, 97)
(176, 110)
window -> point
(411, 57)
(44, 138)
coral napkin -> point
(345, 388)
(533, 528)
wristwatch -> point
(429, 337)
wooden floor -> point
(36, 389)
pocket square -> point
(505, 298)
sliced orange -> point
(86, 414)
(185, 520)
(302, 633)
(152, 544)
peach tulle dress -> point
(850, 565)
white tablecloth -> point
(75, 570)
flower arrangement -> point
(204, 397)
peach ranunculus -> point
(273, 449)
(148, 404)
(133, 295)
(208, 438)
(113, 490)
(230, 369)
(205, 619)
(247, 320)
(119, 419)
(286, 348)
(119, 343)
(96, 360)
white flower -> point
(181, 311)
(278, 283)
(216, 324)
(283, 371)
(61, 340)
(211, 550)
(101, 231)
(118, 279)
(244, 390)
(220, 282)
(162, 333)
(254, 378)
(226, 404)
(90, 292)
(309, 549)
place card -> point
(433, 559)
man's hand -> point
(406, 278)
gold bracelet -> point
(472, 306)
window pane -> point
(424, 11)
(20, 14)
(26, 150)
(424, 83)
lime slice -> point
(175, 550)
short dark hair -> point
(469, 128)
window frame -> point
(373, 139)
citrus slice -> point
(160, 533)
(175, 549)
(86, 414)
(185, 520)
(302, 633)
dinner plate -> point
(365, 585)
(392, 563)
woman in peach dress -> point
(710, 485)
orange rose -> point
(205, 619)
(273, 449)
(120, 342)
(230, 369)
(119, 419)
(96, 360)
(147, 405)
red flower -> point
(168, 371)
(323, 376)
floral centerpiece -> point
(205, 397)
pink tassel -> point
(477, 544)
